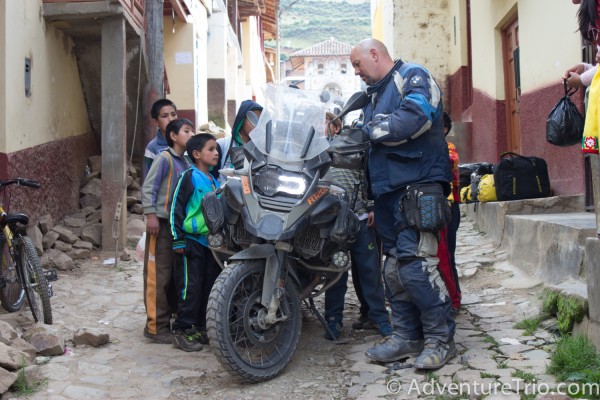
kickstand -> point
(311, 305)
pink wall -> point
(58, 166)
(486, 120)
(565, 164)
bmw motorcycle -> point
(280, 231)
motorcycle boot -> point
(394, 348)
(435, 354)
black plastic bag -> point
(466, 170)
(564, 126)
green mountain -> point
(308, 22)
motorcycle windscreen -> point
(291, 127)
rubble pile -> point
(63, 244)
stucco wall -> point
(56, 109)
(254, 65)
(457, 45)
(186, 61)
(488, 72)
(382, 22)
(422, 33)
(548, 47)
(179, 62)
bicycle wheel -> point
(12, 294)
(35, 282)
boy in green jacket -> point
(195, 268)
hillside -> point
(308, 22)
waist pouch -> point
(425, 207)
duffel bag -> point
(486, 190)
(465, 194)
(517, 177)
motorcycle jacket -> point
(411, 147)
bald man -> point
(404, 122)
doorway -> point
(512, 83)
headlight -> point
(271, 181)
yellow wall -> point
(3, 41)
(254, 64)
(56, 109)
(179, 61)
(487, 44)
(377, 20)
(185, 53)
(548, 45)
(458, 37)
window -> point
(343, 68)
(320, 69)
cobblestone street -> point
(494, 358)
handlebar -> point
(20, 182)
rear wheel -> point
(243, 342)
(12, 294)
(35, 282)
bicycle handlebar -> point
(20, 182)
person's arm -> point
(588, 75)
(150, 190)
(575, 78)
(182, 194)
(420, 105)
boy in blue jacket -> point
(195, 269)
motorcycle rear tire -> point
(248, 352)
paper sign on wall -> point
(183, 57)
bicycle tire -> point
(12, 295)
(35, 283)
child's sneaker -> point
(187, 340)
(162, 338)
(202, 337)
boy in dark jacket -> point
(157, 195)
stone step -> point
(549, 246)
(545, 238)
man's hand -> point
(152, 224)
(371, 219)
(379, 126)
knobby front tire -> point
(247, 351)
(12, 295)
(35, 283)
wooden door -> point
(512, 83)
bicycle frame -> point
(21, 268)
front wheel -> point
(12, 294)
(35, 282)
(244, 346)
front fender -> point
(263, 251)
(255, 252)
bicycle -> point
(21, 274)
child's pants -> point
(158, 279)
(195, 273)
